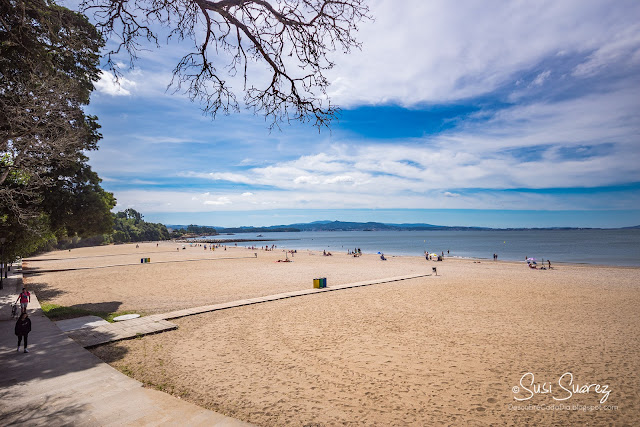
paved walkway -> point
(95, 335)
(36, 270)
(60, 383)
(90, 336)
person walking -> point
(24, 298)
(23, 327)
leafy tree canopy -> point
(49, 58)
(130, 227)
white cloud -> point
(439, 51)
(178, 201)
(218, 202)
(540, 78)
(305, 180)
(339, 179)
(109, 85)
(621, 49)
(219, 176)
(531, 146)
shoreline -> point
(457, 257)
(604, 247)
(37, 258)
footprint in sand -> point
(492, 400)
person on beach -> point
(23, 327)
(549, 261)
(25, 299)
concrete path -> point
(90, 336)
(79, 323)
(60, 383)
(36, 271)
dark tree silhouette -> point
(291, 37)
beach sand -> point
(446, 349)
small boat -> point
(259, 235)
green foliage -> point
(130, 227)
(59, 312)
(176, 234)
(125, 227)
(201, 230)
(77, 204)
(49, 58)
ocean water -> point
(605, 247)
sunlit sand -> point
(446, 349)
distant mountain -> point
(364, 226)
(331, 226)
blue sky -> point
(499, 114)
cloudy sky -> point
(489, 113)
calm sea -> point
(607, 247)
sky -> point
(477, 113)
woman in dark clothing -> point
(23, 327)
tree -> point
(130, 227)
(49, 59)
(49, 62)
(291, 37)
(133, 214)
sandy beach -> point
(447, 349)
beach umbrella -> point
(379, 253)
(531, 259)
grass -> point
(59, 312)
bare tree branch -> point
(293, 38)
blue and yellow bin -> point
(320, 283)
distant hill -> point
(368, 226)
(331, 226)
(361, 226)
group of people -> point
(23, 325)
(356, 252)
(434, 256)
(533, 264)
